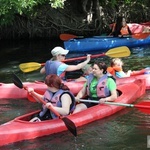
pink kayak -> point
(10, 91)
(137, 28)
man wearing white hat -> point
(56, 66)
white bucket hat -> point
(59, 51)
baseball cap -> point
(59, 51)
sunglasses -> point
(63, 55)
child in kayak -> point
(87, 69)
(116, 69)
(120, 28)
(57, 96)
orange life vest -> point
(124, 30)
(112, 70)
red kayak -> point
(10, 91)
(135, 27)
(21, 129)
(141, 74)
(146, 24)
(138, 28)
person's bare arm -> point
(79, 66)
(42, 71)
(81, 93)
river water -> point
(126, 130)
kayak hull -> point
(10, 91)
(138, 28)
(103, 43)
(21, 129)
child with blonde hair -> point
(116, 69)
(87, 69)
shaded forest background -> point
(79, 17)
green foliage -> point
(57, 3)
(10, 8)
(117, 2)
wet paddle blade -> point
(143, 106)
(28, 67)
(66, 37)
(17, 81)
(70, 125)
(122, 51)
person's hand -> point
(102, 100)
(30, 90)
(48, 105)
(129, 71)
(89, 57)
(77, 99)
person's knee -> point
(79, 107)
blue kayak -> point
(98, 43)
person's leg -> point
(35, 119)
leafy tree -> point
(10, 8)
(49, 18)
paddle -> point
(143, 106)
(66, 37)
(122, 51)
(69, 124)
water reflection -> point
(123, 130)
(141, 51)
(127, 129)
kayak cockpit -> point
(26, 117)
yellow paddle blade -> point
(28, 67)
(121, 51)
